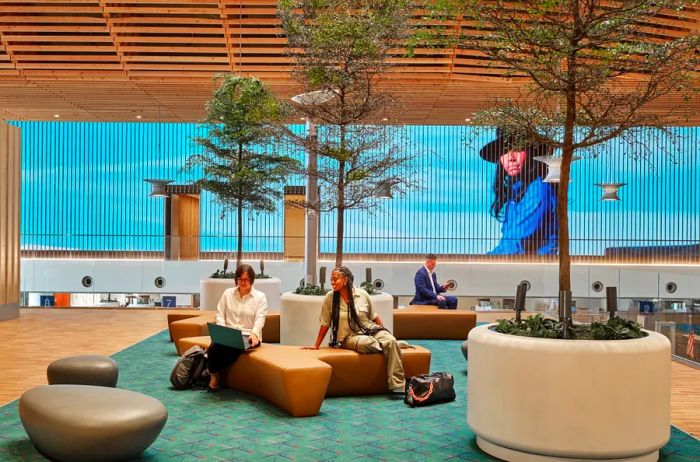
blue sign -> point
(47, 300)
(646, 306)
(168, 301)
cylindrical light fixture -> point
(553, 167)
(610, 191)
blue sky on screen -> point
(82, 188)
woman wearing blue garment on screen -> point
(524, 203)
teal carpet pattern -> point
(233, 426)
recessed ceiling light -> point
(385, 119)
(139, 116)
(302, 118)
(56, 116)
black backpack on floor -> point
(189, 369)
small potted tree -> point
(238, 166)
(550, 390)
(343, 48)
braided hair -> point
(353, 319)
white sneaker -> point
(403, 344)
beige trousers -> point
(385, 343)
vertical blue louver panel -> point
(83, 190)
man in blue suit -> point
(427, 288)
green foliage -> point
(241, 121)
(369, 288)
(219, 274)
(237, 169)
(616, 329)
(262, 276)
(310, 290)
(539, 326)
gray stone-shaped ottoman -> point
(90, 423)
(83, 370)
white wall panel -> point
(474, 280)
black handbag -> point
(426, 389)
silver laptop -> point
(228, 336)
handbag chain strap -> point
(422, 397)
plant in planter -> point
(538, 326)
(261, 274)
(239, 166)
(223, 273)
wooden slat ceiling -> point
(105, 60)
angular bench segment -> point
(87, 423)
(429, 322)
(365, 374)
(297, 380)
(196, 326)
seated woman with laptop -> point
(243, 308)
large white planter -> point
(299, 316)
(545, 399)
(211, 290)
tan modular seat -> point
(197, 326)
(429, 322)
(172, 317)
(297, 380)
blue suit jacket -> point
(424, 290)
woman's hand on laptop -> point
(254, 340)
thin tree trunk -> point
(339, 239)
(239, 253)
(341, 200)
(340, 225)
(567, 156)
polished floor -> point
(40, 336)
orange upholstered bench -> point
(197, 326)
(429, 322)
(297, 380)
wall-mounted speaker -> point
(597, 286)
(378, 284)
(86, 281)
(671, 287)
(527, 285)
(450, 285)
(159, 282)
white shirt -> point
(430, 276)
(246, 313)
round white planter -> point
(563, 400)
(299, 316)
(211, 290)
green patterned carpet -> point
(229, 426)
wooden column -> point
(182, 223)
(10, 176)
(294, 223)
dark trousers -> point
(221, 357)
(449, 303)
